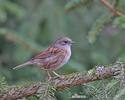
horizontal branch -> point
(78, 78)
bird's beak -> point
(73, 42)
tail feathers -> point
(22, 65)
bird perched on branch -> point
(53, 57)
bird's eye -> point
(65, 42)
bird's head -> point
(64, 42)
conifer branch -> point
(78, 78)
(19, 41)
(84, 2)
(107, 4)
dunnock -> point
(53, 57)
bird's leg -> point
(49, 76)
(57, 75)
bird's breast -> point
(67, 55)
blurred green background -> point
(29, 26)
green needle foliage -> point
(3, 84)
(120, 21)
(97, 27)
(76, 3)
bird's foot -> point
(57, 75)
(49, 76)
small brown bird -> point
(53, 57)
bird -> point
(52, 58)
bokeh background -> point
(29, 26)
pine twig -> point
(94, 30)
(77, 5)
(103, 85)
(19, 41)
(112, 9)
(92, 35)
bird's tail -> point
(22, 65)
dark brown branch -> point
(107, 4)
(78, 78)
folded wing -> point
(51, 58)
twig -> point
(112, 9)
(103, 85)
(101, 24)
(2, 84)
(45, 93)
(104, 21)
(19, 41)
(77, 5)
(46, 90)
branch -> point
(77, 5)
(19, 41)
(78, 78)
(112, 9)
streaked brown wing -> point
(51, 51)
(50, 58)
(54, 62)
